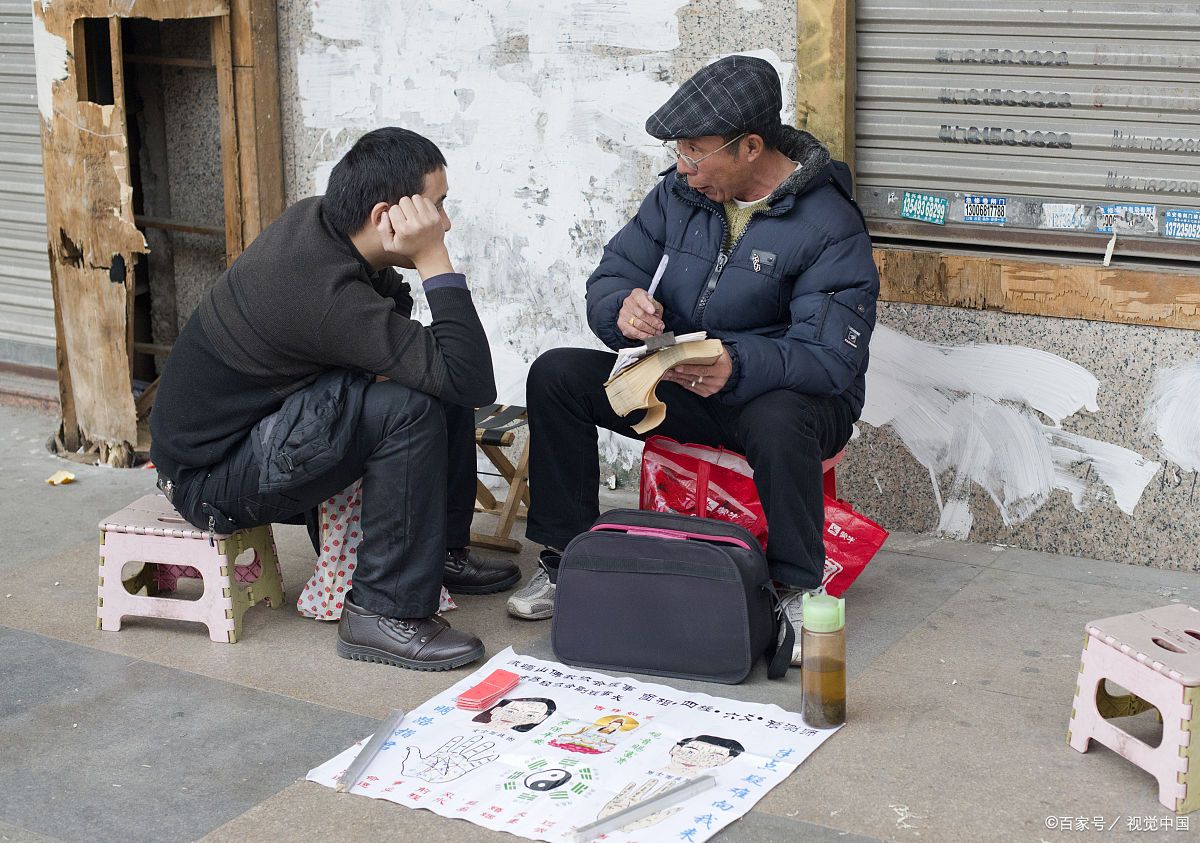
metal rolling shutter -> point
(1039, 124)
(26, 302)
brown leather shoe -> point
(464, 573)
(416, 643)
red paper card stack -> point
(488, 692)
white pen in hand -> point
(658, 274)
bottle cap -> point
(823, 613)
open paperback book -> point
(626, 357)
(634, 378)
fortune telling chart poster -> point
(567, 746)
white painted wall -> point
(540, 107)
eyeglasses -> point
(694, 163)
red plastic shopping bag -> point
(851, 540)
(703, 481)
(716, 483)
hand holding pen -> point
(640, 316)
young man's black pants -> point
(416, 457)
(784, 434)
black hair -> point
(769, 128)
(382, 166)
(486, 716)
(735, 748)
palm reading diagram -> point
(569, 746)
(452, 760)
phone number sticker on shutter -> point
(924, 207)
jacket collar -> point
(797, 145)
(344, 242)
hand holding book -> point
(632, 386)
(688, 359)
(704, 380)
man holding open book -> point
(767, 253)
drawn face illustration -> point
(696, 755)
(512, 714)
(544, 780)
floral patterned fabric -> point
(341, 535)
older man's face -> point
(718, 173)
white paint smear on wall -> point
(1174, 414)
(968, 413)
(50, 56)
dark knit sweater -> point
(299, 301)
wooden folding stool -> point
(495, 428)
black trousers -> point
(416, 457)
(784, 434)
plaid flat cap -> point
(727, 96)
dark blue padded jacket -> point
(793, 300)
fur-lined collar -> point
(797, 145)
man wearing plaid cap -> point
(768, 253)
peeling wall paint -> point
(543, 136)
(50, 52)
(970, 414)
(1174, 414)
(540, 108)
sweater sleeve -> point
(450, 359)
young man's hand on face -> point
(413, 229)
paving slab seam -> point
(1096, 563)
(964, 685)
(134, 660)
(967, 562)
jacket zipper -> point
(824, 313)
(709, 286)
(715, 275)
(722, 258)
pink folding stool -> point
(1155, 655)
(151, 532)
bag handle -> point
(779, 654)
(663, 533)
(703, 472)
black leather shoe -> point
(465, 574)
(417, 643)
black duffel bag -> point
(668, 595)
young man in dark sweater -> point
(269, 402)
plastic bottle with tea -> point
(823, 661)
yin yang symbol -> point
(544, 780)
